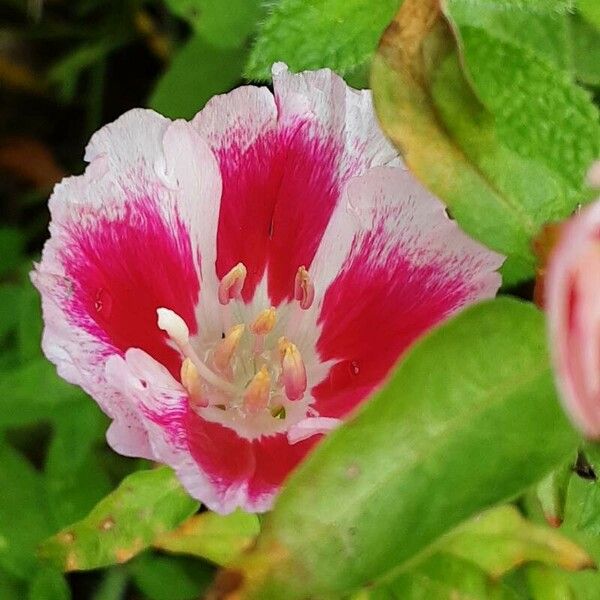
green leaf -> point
(508, 80)
(546, 23)
(74, 480)
(79, 59)
(33, 392)
(65, 72)
(49, 584)
(440, 577)
(9, 301)
(12, 245)
(505, 180)
(218, 538)
(500, 540)
(358, 78)
(144, 506)
(554, 33)
(20, 314)
(586, 50)
(584, 507)
(473, 560)
(223, 28)
(403, 99)
(590, 10)
(311, 34)
(10, 587)
(548, 584)
(581, 524)
(170, 578)
(469, 419)
(24, 517)
(479, 138)
(551, 493)
(591, 451)
(29, 332)
(198, 72)
(113, 584)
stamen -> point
(226, 348)
(262, 325)
(231, 285)
(190, 379)
(256, 396)
(293, 371)
(304, 290)
(265, 322)
(176, 328)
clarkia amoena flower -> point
(229, 289)
(573, 303)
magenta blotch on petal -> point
(228, 290)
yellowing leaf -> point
(471, 120)
(218, 538)
(145, 505)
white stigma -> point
(173, 325)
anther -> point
(256, 396)
(304, 290)
(190, 379)
(226, 348)
(231, 285)
(265, 322)
(293, 371)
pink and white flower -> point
(572, 300)
(229, 289)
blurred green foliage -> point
(67, 67)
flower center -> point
(253, 378)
